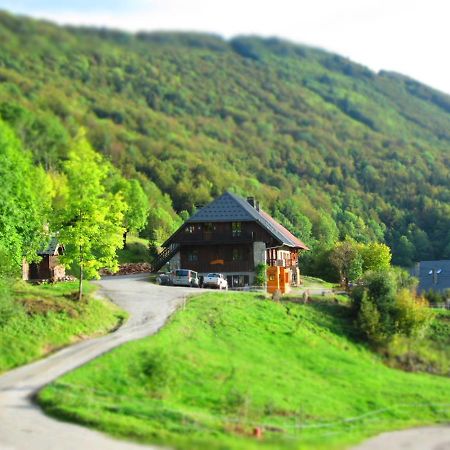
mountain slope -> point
(331, 148)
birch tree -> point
(92, 228)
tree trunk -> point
(125, 238)
(80, 285)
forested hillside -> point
(329, 147)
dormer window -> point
(236, 229)
(190, 229)
(209, 227)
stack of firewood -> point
(128, 269)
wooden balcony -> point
(213, 237)
(282, 262)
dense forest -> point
(332, 149)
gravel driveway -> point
(22, 424)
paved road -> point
(425, 438)
(22, 424)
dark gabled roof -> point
(51, 249)
(232, 208)
(437, 282)
(226, 208)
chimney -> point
(253, 202)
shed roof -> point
(230, 207)
(52, 248)
(430, 279)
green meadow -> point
(227, 366)
(37, 320)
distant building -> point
(48, 268)
(233, 236)
(433, 275)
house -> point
(234, 236)
(433, 275)
(48, 268)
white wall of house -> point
(175, 262)
(259, 253)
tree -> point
(347, 260)
(375, 256)
(404, 252)
(91, 228)
(24, 203)
(136, 214)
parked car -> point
(165, 279)
(185, 277)
(215, 280)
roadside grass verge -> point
(231, 363)
(316, 283)
(44, 318)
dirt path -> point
(23, 426)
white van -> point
(185, 277)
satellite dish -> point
(430, 272)
(438, 271)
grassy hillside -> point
(227, 364)
(40, 319)
(330, 147)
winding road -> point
(23, 426)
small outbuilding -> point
(49, 267)
(433, 275)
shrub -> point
(404, 279)
(369, 320)
(412, 314)
(260, 276)
(434, 297)
(383, 311)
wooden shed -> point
(49, 267)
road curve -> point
(23, 426)
(424, 438)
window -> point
(209, 227)
(238, 280)
(237, 254)
(193, 255)
(190, 229)
(236, 228)
(181, 273)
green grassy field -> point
(230, 363)
(315, 283)
(41, 319)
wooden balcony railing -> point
(282, 262)
(216, 237)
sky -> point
(407, 36)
